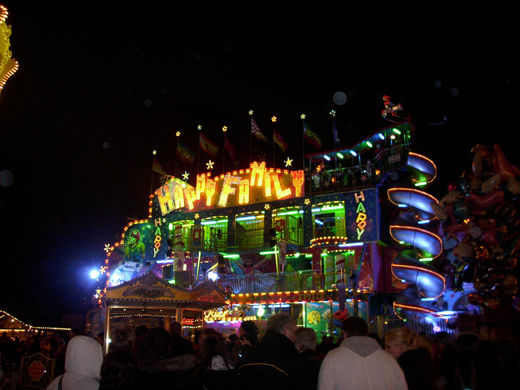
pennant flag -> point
(157, 168)
(230, 149)
(185, 154)
(278, 139)
(256, 131)
(209, 147)
(310, 136)
(335, 134)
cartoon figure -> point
(134, 248)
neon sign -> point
(361, 214)
(246, 186)
(157, 238)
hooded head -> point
(84, 357)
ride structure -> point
(312, 242)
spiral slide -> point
(425, 281)
(423, 168)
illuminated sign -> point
(158, 237)
(246, 186)
(361, 216)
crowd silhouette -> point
(281, 356)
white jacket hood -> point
(83, 361)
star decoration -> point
(98, 291)
(332, 113)
(209, 165)
(199, 127)
(178, 134)
(307, 201)
(267, 206)
(185, 176)
(273, 119)
(250, 112)
(302, 116)
(196, 216)
(288, 162)
(154, 152)
(107, 248)
(224, 128)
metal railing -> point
(272, 282)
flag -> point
(256, 131)
(230, 148)
(310, 136)
(185, 154)
(208, 146)
(335, 134)
(157, 168)
(277, 138)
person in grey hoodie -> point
(359, 363)
(83, 360)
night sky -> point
(100, 86)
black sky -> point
(102, 85)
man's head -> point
(284, 324)
(354, 326)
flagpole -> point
(199, 128)
(177, 135)
(251, 137)
(154, 153)
(224, 129)
(273, 119)
(333, 115)
(302, 117)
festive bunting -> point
(184, 153)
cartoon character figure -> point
(134, 248)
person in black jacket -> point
(274, 363)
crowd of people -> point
(284, 356)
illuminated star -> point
(107, 248)
(98, 291)
(224, 128)
(199, 127)
(209, 165)
(302, 116)
(196, 216)
(178, 134)
(273, 119)
(267, 206)
(186, 175)
(307, 201)
(288, 162)
(250, 112)
(154, 152)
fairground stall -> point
(343, 236)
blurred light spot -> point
(148, 103)
(437, 84)
(339, 98)
(454, 91)
(106, 145)
(6, 178)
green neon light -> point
(286, 213)
(235, 256)
(307, 256)
(421, 183)
(171, 281)
(397, 131)
(170, 226)
(340, 155)
(426, 259)
(268, 253)
(222, 220)
(369, 144)
(326, 208)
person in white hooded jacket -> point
(83, 360)
(360, 363)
